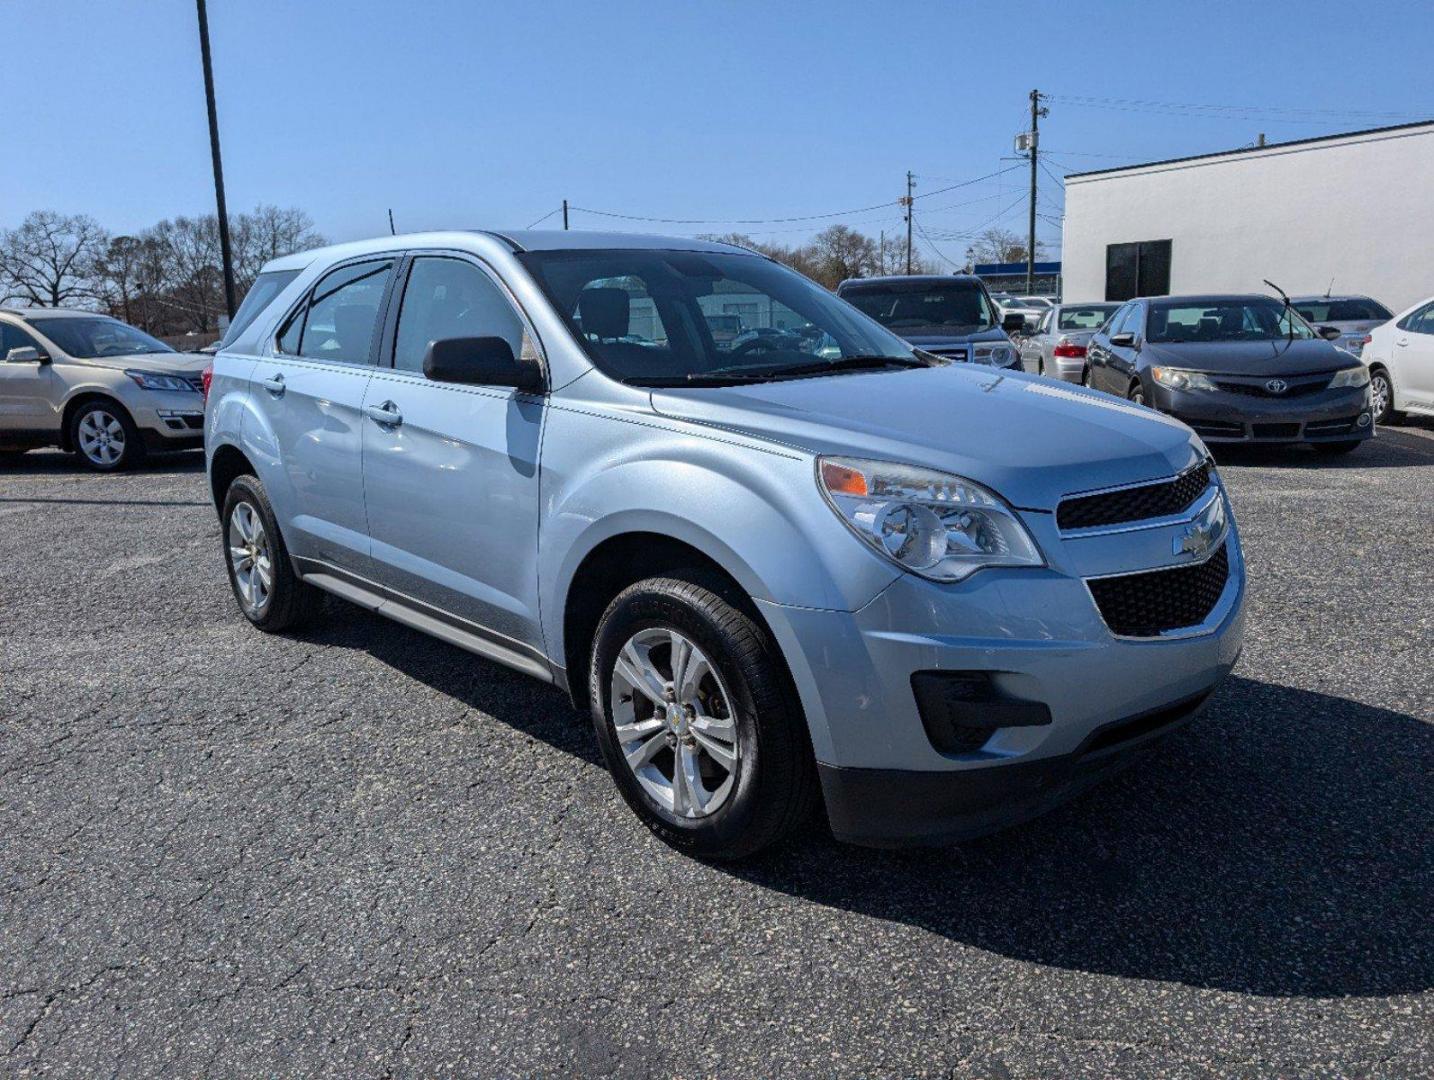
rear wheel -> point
(1136, 392)
(1381, 397)
(270, 594)
(105, 437)
(696, 718)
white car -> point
(1400, 355)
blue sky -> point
(459, 114)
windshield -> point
(646, 316)
(1347, 309)
(87, 339)
(1085, 317)
(904, 305)
(1224, 320)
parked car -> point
(1236, 369)
(1400, 358)
(950, 315)
(941, 596)
(1057, 345)
(724, 328)
(95, 387)
(1352, 316)
(1029, 309)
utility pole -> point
(565, 215)
(225, 255)
(1037, 111)
(909, 202)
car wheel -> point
(1085, 375)
(697, 719)
(1381, 397)
(1333, 448)
(1136, 393)
(105, 437)
(270, 594)
(1041, 366)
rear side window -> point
(260, 295)
(340, 318)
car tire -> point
(1041, 366)
(269, 593)
(755, 777)
(1136, 393)
(1334, 448)
(104, 437)
(1085, 376)
(1381, 388)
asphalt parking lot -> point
(360, 852)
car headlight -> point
(1180, 379)
(937, 525)
(149, 380)
(999, 355)
(1354, 376)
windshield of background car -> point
(1224, 320)
(88, 339)
(1350, 309)
(1086, 317)
(954, 305)
(644, 315)
(259, 296)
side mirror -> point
(1013, 323)
(1123, 341)
(26, 354)
(481, 361)
(1331, 333)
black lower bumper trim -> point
(905, 808)
(157, 443)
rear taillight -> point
(1367, 339)
(1067, 349)
(206, 379)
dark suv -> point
(951, 315)
(1236, 369)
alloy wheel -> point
(1379, 396)
(674, 723)
(250, 557)
(101, 438)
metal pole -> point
(565, 215)
(1036, 113)
(225, 254)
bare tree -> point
(49, 261)
(1002, 246)
(265, 233)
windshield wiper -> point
(733, 376)
(698, 378)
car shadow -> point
(56, 463)
(1278, 846)
(1389, 449)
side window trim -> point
(387, 359)
(300, 310)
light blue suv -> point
(818, 566)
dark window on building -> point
(1141, 269)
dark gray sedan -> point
(1057, 346)
(1236, 369)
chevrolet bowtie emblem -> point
(1196, 540)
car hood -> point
(1031, 440)
(161, 363)
(1259, 358)
(938, 337)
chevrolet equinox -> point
(807, 566)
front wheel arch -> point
(73, 406)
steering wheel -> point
(755, 344)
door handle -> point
(386, 414)
(275, 385)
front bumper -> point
(1038, 636)
(1220, 416)
(168, 419)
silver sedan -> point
(1056, 347)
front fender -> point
(755, 511)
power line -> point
(1051, 173)
(939, 253)
(550, 213)
(1274, 113)
(785, 220)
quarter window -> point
(451, 298)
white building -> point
(1355, 209)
